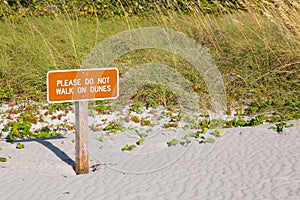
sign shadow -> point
(57, 151)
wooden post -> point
(81, 145)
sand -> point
(246, 163)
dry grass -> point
(257, 52)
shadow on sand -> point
(58, 152)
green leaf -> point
(125, 148)
(210, 140)
(56, 134)
(141, 141)
(5, 128)
(221, 133)
(288, 126)
(20, 146)
(3, 159)
(279, 127)
(132, 147)
(204, 129)
(114, 128)
(108, 128)
(45, 129)
(137, 107)
(10, 137)
(173, 142)
(43, 135)
(128, 147)
(142, 134)
(26, 125)
(151, 103)
(194, 134)
(16, 126)
(218, 133)
(101, 138)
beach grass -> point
(257, 52)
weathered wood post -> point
(81, 145)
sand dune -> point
(246, 163)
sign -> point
(82, 84)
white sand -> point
(246, 163)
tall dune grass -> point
(257, 50)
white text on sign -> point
(63, 86)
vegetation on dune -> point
(255, 45)
(12, 9)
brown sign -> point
(82, 84)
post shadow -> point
(57, 151)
